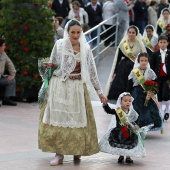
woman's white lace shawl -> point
(149, 75)
(68, 63)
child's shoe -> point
(129, 160)
(120, 159)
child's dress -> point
(122, 140)
(150, 114)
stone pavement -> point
(19, 149)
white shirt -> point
(163, 53)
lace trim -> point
(88, 67)
(149, 75)
(138, 151)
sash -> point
(120, 113)
(128, 51)
(148, 43)
(162, 25)
(141, 79)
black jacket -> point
(156, 61)
(61, 10)
(95, 17)
(140, 11)
(161, 6)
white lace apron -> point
(66, 103)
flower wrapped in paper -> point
(46, 68)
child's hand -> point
(148, 96)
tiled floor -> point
(19, 148)
(18, 144)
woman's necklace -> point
(75, 44)
(142, 70)
(131, 44)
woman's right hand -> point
(114, 75)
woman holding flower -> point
(142, 87)
(67, 125)
(163, 21)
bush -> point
(28, 30)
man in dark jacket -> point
(141, 14)
(94, 12)
(61, 8)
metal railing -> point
(97, 50)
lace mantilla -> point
(67, 64)
(149, 75)
(138, 151)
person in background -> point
(85, 28)
(141, 14)
(94, 12)
(163, 21)
(59, 29)
(123, 11)
(81, 3)
(109, 10)
(78, 13)
(7, 80)
(152, 14)
(61, 8)
(150, 39)
(163, 4)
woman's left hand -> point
(136, 127)
(103, 99)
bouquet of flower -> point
(156, 48)
(124, 131)
(150, 86)
(46, 69)
(167, 27)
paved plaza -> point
(19, 146)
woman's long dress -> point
(123, 68)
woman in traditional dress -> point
(126, 53)
(67, 125)
(150, 39)
(163, 21)
(148, 114)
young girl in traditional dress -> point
(124, 139)
(147, 114)
(150, 39)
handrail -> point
(98, 28)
